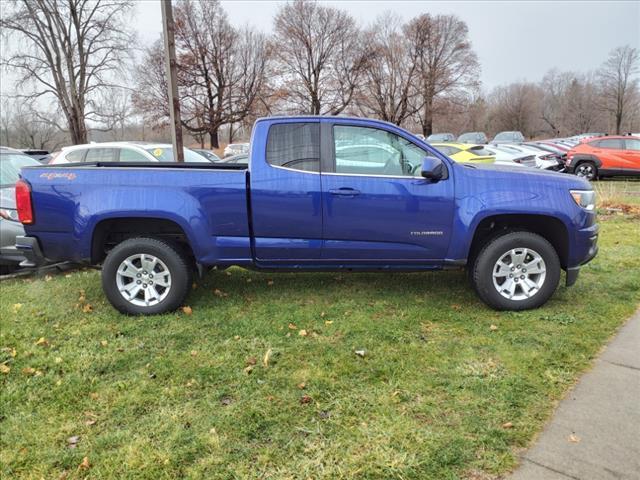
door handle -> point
(345, 192)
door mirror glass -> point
(432, 168)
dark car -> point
(441, 137)
(508, 137)
(240, 159)
(11, 161)
(42, 156)
(477, 138)
(208, 154)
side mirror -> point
(432, 168)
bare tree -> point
(389, 74)
(618, 82)
(221, 71)
(319, 56)
(517, 106)
(70, 49)
(446, 61)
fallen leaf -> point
(328, 322)
(248, 369)
(194, 285)
(361, 353)
(324, 414)
(302, 385)
(68, 275)
(270, 283)
(90, 422)
(292, 326)
(493, 327)
(251, 361)
(194, 353)
(507, 425)
(455, 306)
(65, 474)
(16, 307)
(42, 342)
(219, 293)
(58, 360)
(266, 358)
(187, 310)
(304, 399)
(29, 371)
(72, 442)
(13, 352)
(104, 343)
(85, 465)
(236, 337)
(573, 438)
(248, 280)
(94, 396)
(48, 278)
(87, 308)
(4, 369)
(226, 401)
(322, 314)
(302, 333)
(227, 273)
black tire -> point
(483, 268)
(586, 170)
(176, 261)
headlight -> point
(585, 198)
(8, 214)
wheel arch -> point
(548, 227)
(111, 231)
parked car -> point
(464, 152)
(508, 137)
(11, 161)
(122, 152)
(240, 159)
(304, 208)
(208, 154)
(477, 138)
(235, 149)
(605, 157)
(42, 156)
(441, 137)
(543, 160)
(509, 157)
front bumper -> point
(30, 249)
(591, 244)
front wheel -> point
(146, 276)
(516, 271)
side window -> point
(75, 156)
(614, 143)
(294, 145)
(100, 155)
(370, 151)
(130, 155)
(632, 144)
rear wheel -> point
(146, 276)
(587, 170)
(516, 271)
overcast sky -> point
(514, 40)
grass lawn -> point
(261, 379)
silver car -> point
(11, 161)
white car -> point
(543, 160)
(122, 152)
(511, 158)
(236, 149)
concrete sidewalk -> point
(595, 432)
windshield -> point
(440, 137)
(10, 165)
(165, 154)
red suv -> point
(605, 157)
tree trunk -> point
(427, 118)
(213, 138)
(618, 122)
(231, 133)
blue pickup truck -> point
(319, 193)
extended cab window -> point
(294, 145)
(632, 144)
(75, 156)
(130, 155)
(370, 151)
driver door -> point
(376, 206)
